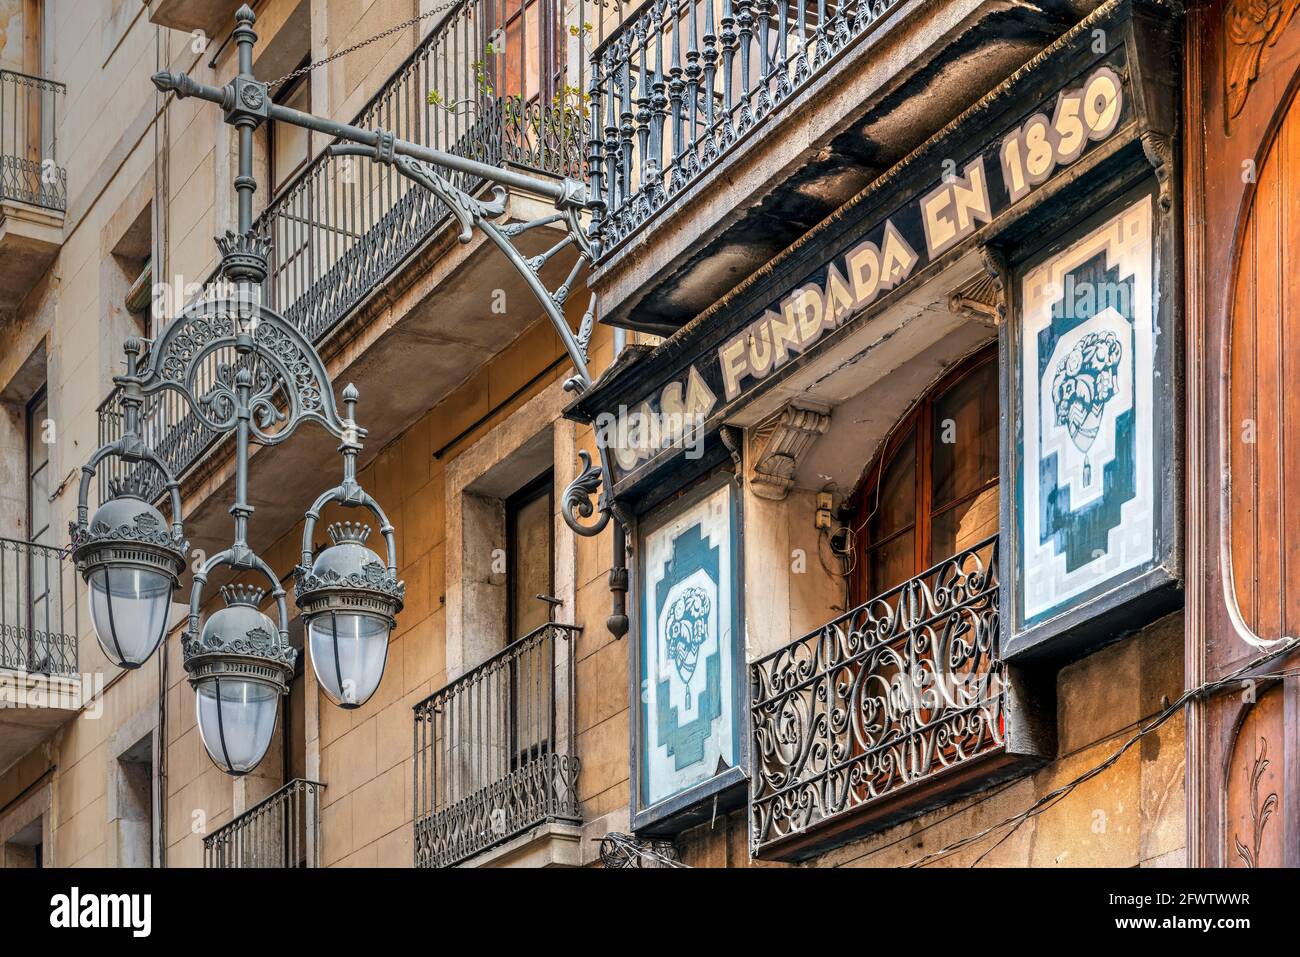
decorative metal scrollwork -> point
(471, 211)
(468, 210)
(287, 382)
(578, 504)
(900, 689)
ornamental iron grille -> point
(39, 608)
(494, 750)
(282, 831)
(901, 690)
(683, 82)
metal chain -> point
(304, 70)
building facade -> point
(925, 505)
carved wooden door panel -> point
(1242, 167)
(1254, 829)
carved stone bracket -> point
(983, 298)
(778, 444)
(978, 300)
(1159, 153)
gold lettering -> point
(760, 346)
(732, 358)
(897, 259)
(864, 272)
(839, 298)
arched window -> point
(934, 489)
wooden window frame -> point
(540, 488)
(281, 96)
(918, 420)
(31, 437)
(545, 16)
(542, 485)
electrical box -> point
(824, 505)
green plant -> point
(568, 109)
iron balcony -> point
(29, 141)
(878, 713)
(39, 609)
(283, 830)
(494, 750)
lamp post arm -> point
(567, 193)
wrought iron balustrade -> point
(343, 225)
(682, 82)
(282, 830)
(29, 140)
(494, 750)
(39, 609)
(901, 690)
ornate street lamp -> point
(242, 369)
(240, 660)
(348, 596)
(239, 665)
(130, 558)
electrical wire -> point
(1053, 797)
(644, 851)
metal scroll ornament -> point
(578, 503)
(197, 357)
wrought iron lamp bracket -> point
(471, 211)
(130, 449)
(273, 359)
(350, 494)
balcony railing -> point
(283, 830)
(39, 609)
(494, 750)
(683, 82)
(343, 225)
(29, 156)
(899, 691)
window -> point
(40, 612)
(38, 470)
(134, 825)
(26, 848)
(130, 277)
(290, 146)
(527, 54)
(28, 129)
(934, 491)
(297, 244)
(529, 547)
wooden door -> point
(1242, 167)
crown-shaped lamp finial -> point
(244, 255)
(132, 485)
(249, 595)
(341, 532)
